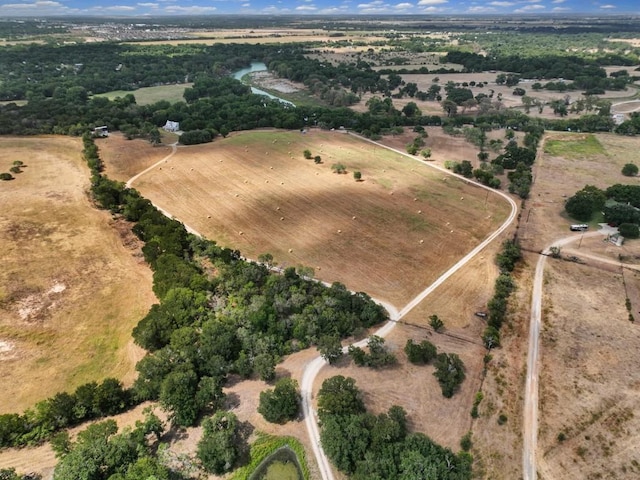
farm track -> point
(530, 429)
(313, 367)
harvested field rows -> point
(389, 235)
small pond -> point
(280, 465)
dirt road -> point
(530, 430)
(313, 368)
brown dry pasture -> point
(66, 303)
(588, 386)
(390, 234)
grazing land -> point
(66, 303)
(149, 95)
(588, 400)
(389, 235)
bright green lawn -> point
(581, 146)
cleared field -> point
(149, 95)
(389, 235)
(66, 303)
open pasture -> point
(66, 303)
(390, 234)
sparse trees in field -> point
(377, 357)
(307, 154)
(317, 159)
(436, 323)
(420, 353)
(281, 404)
(6, 176)
(339, 168)
(630, 170)
(426, 153)
(449, 372)
(357, 175)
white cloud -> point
(306, 8)
(404, 6)
(481, 9)
(119, 8)
(148, 5)
(529, 8)
(502, 4)
(608, 6)
(558, 1)
(432, 2)
(560, 9)
(192, 10)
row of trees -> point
(506, 259)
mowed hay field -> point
(67, 306)
(390, 235)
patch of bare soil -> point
(269, 81)
(589, 416)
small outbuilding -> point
(171, 126)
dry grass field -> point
(66, 303)
(124, 158)
(248, 182)
(588, 383)
(390, 235)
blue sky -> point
(311, 7)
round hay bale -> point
(281, 183)
(415, 199)
(236, 195)
(461, 198)
(281, 218)
(421, 241)
(208, 216)
(270, 168)
(278, 208)
(353, 218)
(266, 181)
(339, 231)
(419, 212)
(191, 170)
(240, 233)
(291, 250)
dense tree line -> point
(368, 446)
(242, 320)
(585, 73)
(101, 453)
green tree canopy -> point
(282, 403)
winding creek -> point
(258, 67)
